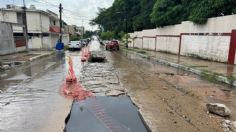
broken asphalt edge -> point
(217, 77)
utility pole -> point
(126, 29)
(60, 11)
(25, 28)
(83, 28)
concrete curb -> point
(218, 78)
(40, 56)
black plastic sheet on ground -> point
(105, 114)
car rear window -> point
(114, 42)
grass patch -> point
(212, 77)
(136, 50)
(142, 52)
(231, 79)
(66, 47)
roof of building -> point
(19, 9)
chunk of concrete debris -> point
(115, 93)
(97, 56)
(6, 67)
(227, 122)
(218, 109)
(226, 125)
(233, 126)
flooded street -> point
(168, 99)
(30, 99)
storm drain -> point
(105, 114)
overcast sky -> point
(77, 12)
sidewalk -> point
(17, 59)
(212, 71)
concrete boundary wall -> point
(204, 46)
(213, 40)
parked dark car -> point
(85, 42)
(113, 45)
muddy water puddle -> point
(105, 114)
(29, 97)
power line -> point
(45, 2)
(76, 16)
(54, 5)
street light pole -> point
(126, 30)
(60, 11)
(126, 27)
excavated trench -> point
(109, 109)
(105, 114)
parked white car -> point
(75, 45)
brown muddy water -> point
(171, 99)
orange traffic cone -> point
(71, 74)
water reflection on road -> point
(30, 99)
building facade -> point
(43, 27)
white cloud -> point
(75, 11)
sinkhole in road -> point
(105, 114)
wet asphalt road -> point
(30, 97)
(30, 100)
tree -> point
(75, 37)
(108, 35)
(88, 34)
(135, 12)
(147, 14)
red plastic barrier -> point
(74, 91)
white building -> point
(43, 27)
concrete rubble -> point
(229, 126)
(233, 126)
(218, 109)
(101, 79)
(226, 125)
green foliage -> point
(108, 35)
(75, 37)
(66, 47)
(125, 15)
(169, 12)
(88, 34)
(121, 34)
(125, 39)
(136, 15)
